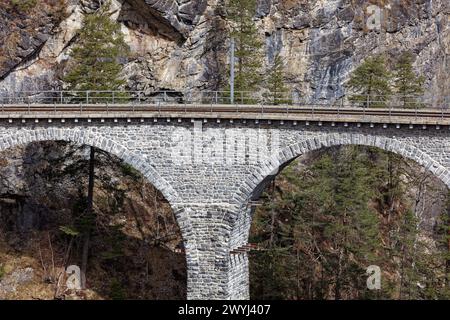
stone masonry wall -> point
(209, 171)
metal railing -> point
(84, 101)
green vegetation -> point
(97, 55)
(407, 83)
(2, 271)
(96, 67)
(128, 170)
(370, 83)
(24, 5)
(278, 93)
(70, 231)
(116, 290)
(249, 57)
(115, 239)
(322, 226)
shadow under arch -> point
(253, 186)
(91, 138)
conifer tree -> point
(95, 59)
(326, 206)
(95, 67)
(326, 223)
(370, 83)
(248, 54)
(275, 83)
(407, 84)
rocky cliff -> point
(181, 44)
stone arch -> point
(91, 138)
(84, 136)
(255, 183)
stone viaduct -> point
(212, 168)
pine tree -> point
(353, 225)
(327, 222)
(248, 54)
(275, 83)
(407, 84)
(324, 223)
(95, 59)
(370, 83)
(95, 67)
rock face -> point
(181, 44)
(181, 14)
(24, 32)
(323, 41)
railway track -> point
(209, 109)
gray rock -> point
(321, 42)
(10, 283)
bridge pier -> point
(213, 273)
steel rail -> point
(208, 109)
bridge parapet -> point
(216, 105)
(221, 98)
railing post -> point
(113, 97)
(340, 106)
(364, 110)
(87, 97)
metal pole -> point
(232, 72)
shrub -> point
(24, 5)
